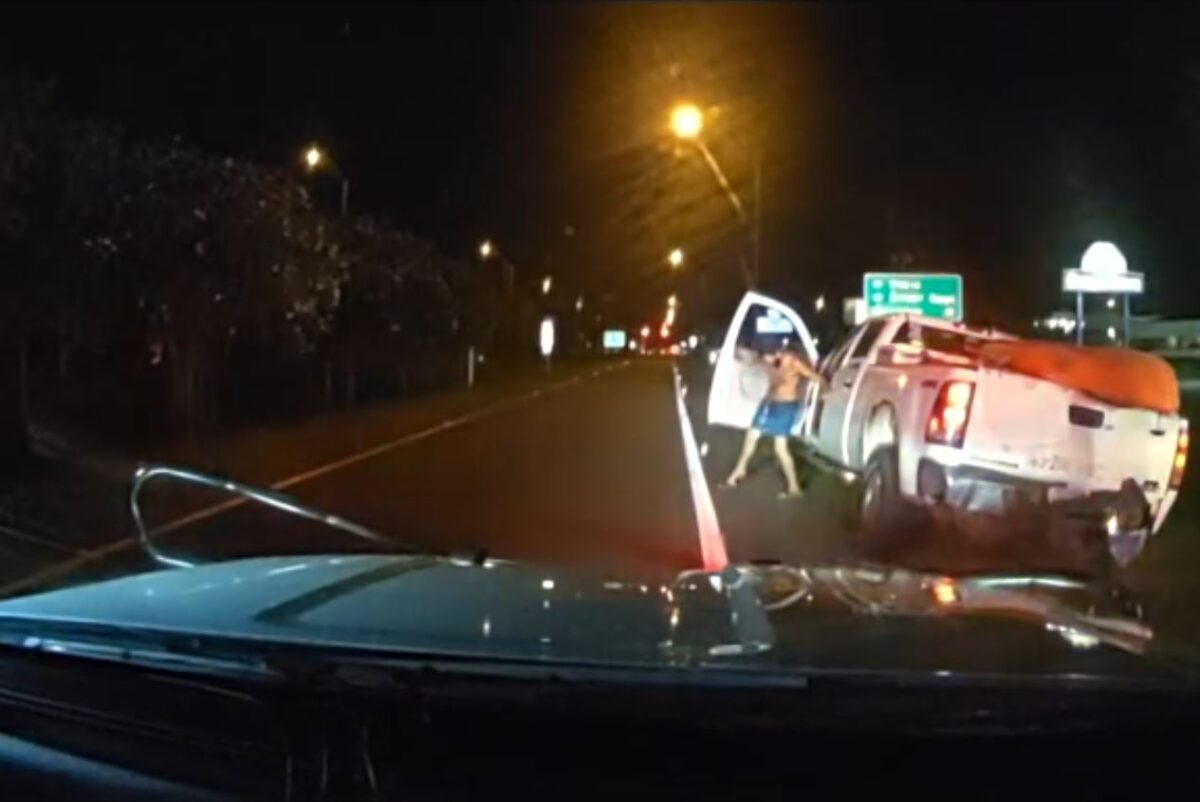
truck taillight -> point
(1181, 449)
(951, 412)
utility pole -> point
(757, 212)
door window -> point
(873, 328)
(766, 330)
(835, 359)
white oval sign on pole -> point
(1103, 259)
(546, 337)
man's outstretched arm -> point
(807, 371)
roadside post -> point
(546, 339)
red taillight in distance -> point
(951, 413)
(1181, 450)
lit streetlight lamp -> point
(314, 159)
(485, 249)
(675, 258)
(687, 121)
(672, 301)
(547, 283)
(820, 303)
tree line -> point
(154, 286)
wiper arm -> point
(146, 649)
(243, 493)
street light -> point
(820, 303)
(675, 257)
(485, 249)
(687, 121)
(315, 158)
(546, 284)
(579, 304)
(672, 301)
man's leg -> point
(788, 464)
(748, 445)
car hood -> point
(821, 619)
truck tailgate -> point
(1043, 431)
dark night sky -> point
(995, 141)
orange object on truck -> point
(1117, 376)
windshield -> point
(491, 330)
(935, 339)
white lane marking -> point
(712, 542)
(85, 557)
(40, 542)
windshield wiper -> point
(142, 648)
(243, 493)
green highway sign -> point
(937, 295)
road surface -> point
(591, 470)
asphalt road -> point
(589, 469)
(586, 470)
(588, 473)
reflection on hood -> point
(1083, 614)
(778, 618)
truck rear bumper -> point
(973, 489)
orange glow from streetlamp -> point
(687, 121)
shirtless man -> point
(777, 413)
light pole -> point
(315, 159)
(487, 250)
(687, 123)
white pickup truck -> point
(911, 410)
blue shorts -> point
(776, 418)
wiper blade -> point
(243, 493)
(142, 648)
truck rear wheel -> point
(881, 508)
